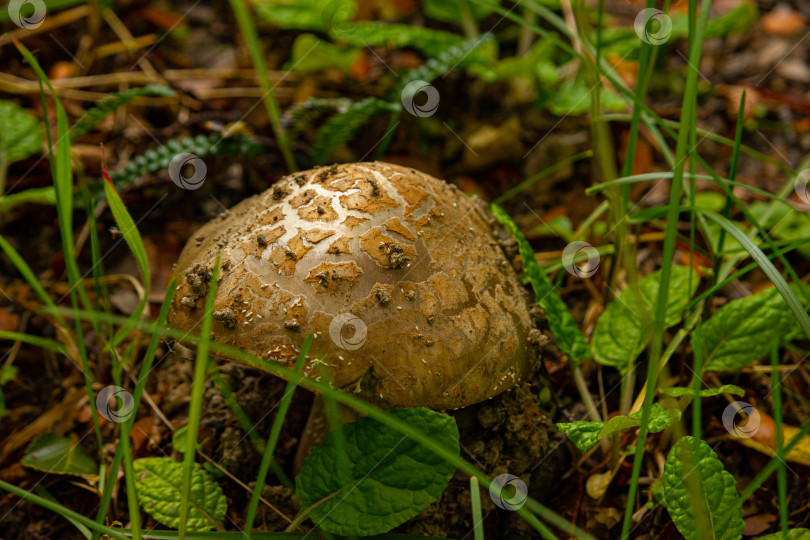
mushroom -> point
(398, 275)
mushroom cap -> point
(398, 275)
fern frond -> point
(343, 125)
(158, 159)
(466, 53)
(114, 101)
(299, 117)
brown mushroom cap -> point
(397, 274)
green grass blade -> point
(275, 431)
(686, 133)
(248, 29)
(362, 407)
(132, 237)
(532, 180)
(63, 185)
(781, 474)
(42, 343)
(767, 267)
(197, 387)
(475, 496)
(61, 510)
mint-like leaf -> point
(386, 478)
(701, 496)
(743, 330)
(621, 332)
(59, 455)
(158, 481)
(585, 434)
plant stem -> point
(687, 126)
(252, 40)
(195, 407)
(275, 431)
(475, 496)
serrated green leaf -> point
(678, 391)
(700, 494)
(744, 330)
(158, 486)
(20, 133)
(59, 455)
(389, 478)
(565, 329)
(585, 434)
(620, 333)
(342, 126)
(793, 534)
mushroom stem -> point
(318, 426)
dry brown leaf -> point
(764, 440)
(783, 22)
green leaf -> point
(7, 374)
(574, 98)
(311, 55)
(565, 329)
(313, 15)
(585, 435)
(620, 333)
(450, 12)
(133, 239)
(158, 482)
(389, 478)
(112, 102)
(428, 41)
(43, 195)
(180, 440)
(678, 391)
(793, 534)
(343, 125)
(20, 133)
(743, 330)
(701, 496)
(59, 455)
(784, 222)
(537, 60)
